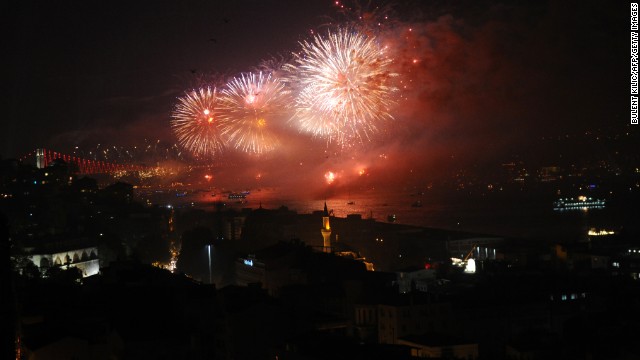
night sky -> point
(491, 75)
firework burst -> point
(250, 105)
(344, 87)
(196, 124)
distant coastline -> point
(529, 217)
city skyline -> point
(285, 179)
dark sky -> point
(491, 76)
(80, 66)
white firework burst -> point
(344, 87)
(195, 122)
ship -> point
(236, 195)
(579, 203)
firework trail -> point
(369, 19)
(344, 87)
(250, 107)
(196, 124)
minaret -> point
(41, 160)
(326, 230)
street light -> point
(209, 251)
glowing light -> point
(330, 177)
(596, 232)
(250, 103)
(194, 125)
(344, 90)
(471, 266)
(581, 203)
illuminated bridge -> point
(45, 157)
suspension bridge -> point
(79, 165)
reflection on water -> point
(507, 216)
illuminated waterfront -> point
(532, 217)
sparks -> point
(194, 122)
(250, 104)
(329, 177)
(344, 87)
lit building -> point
(249, 271)
(415, 279)
(232, 227)
(482, 248)
(66, 255)
(440, 346)
(365, 322)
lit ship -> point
(600, 232)
(581, 203)
(241, 195)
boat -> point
(241, 195)
(350, 202)
(391, 218)
(579, 203)
(417, 204)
